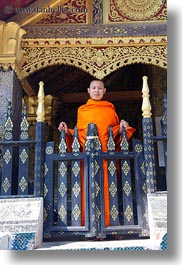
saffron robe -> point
(103, 114)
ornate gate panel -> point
(62, 190)
(74, 193)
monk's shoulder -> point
(82, 107)
(109, 104)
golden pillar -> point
(11, 61)
(11, 54)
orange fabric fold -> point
(103, 114)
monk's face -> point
(96, 90)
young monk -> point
(102, 113)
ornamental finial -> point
(146, 106)
(40, 109)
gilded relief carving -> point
(71, 12)
(10, 48)
(134, 10)
(98, 62)
(11, 54)
(96, 56)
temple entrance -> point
(66, 50)
(68, 85)
(61, 166)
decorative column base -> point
(157, 212)
(22, 220)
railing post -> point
(112, 181)
(147, 138)
(39, 148)
(164, 130)
(7, 156)
(95, 206)
(24, 154)
(126, 180)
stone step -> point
(4, 241)
(22, 220)
(141, 244)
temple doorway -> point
(68, 85)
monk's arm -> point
(69, 134)
(117, 133)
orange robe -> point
(103, 114)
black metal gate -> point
(68, 174)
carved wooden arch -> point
(95, 60)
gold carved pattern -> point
(127, 188)
(143, 168)
(114, 212)
(144, 188)
(97, 213)
(125, 168)
(138, 148)
(6, 185)
(7, 156)
(62, 146)
(75, 145)
(45, 190)
(135, 10)
(69, 13)
(62, 189)
(23, 156)
(128, 213)
(62, 169)
(97, 188)
(8, 135)
(62, 212)
(32, 105)
(76, 189)
(96, 167)
(49, 150)
(23, 184)
(112, 168)
(110, 143)
(76, 169)
(98, 62)
(76, 212)
(45, 169)
(8, 125)
(24, 125)
(113, 189)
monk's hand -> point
(63, 127)
(124, 124)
